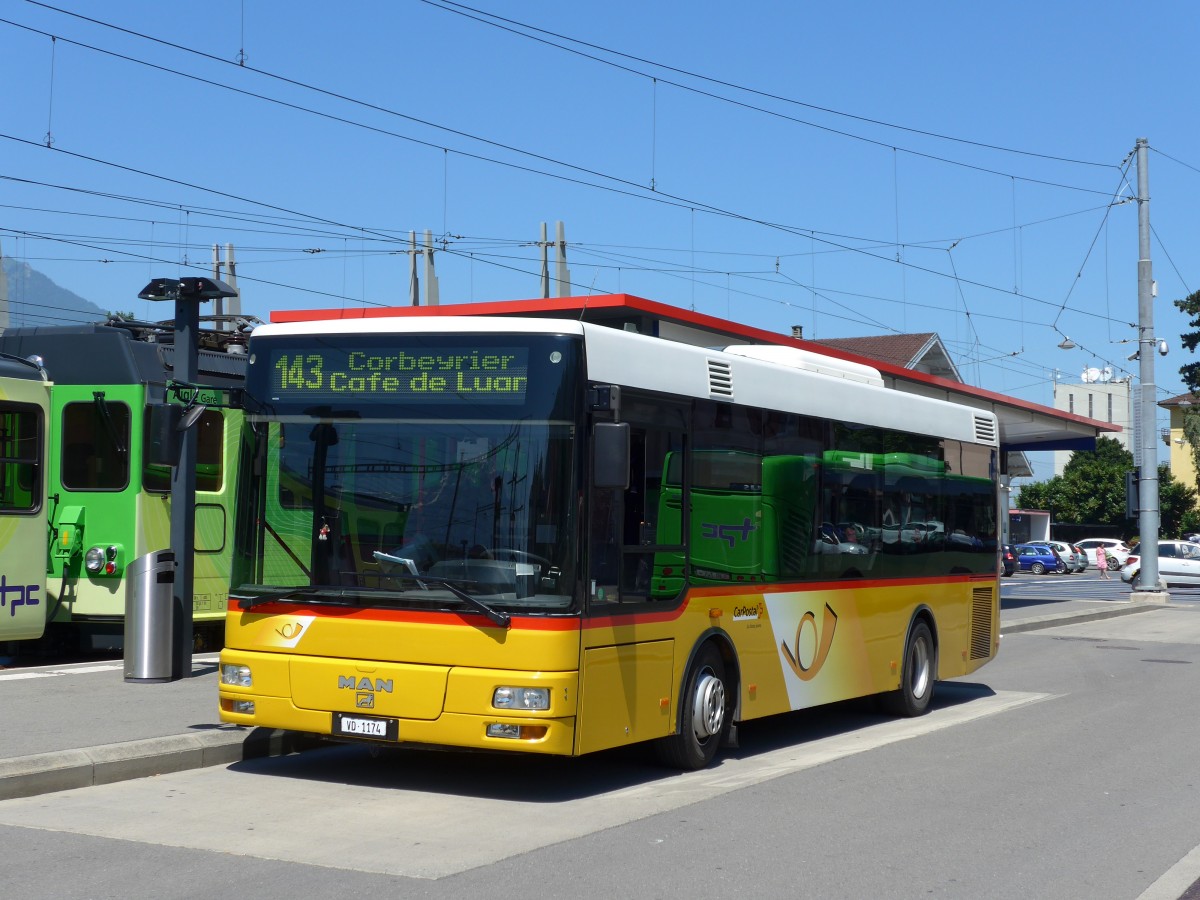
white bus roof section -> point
(796, 358)
(625, 358)
(797, 381)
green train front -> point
(108, 496)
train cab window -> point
(95, 446)
(20, 452)
(210, 445)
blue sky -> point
(846, 167)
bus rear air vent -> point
(985, 430)
(720, 380)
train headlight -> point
(103, 560)
(521, 698)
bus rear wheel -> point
(705, 718)
(917, 676)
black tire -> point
(918, 676)
(1037, 569)
(1061, 567)
(704, 719)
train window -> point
(210, 445)
(95, 446)
(20, 451)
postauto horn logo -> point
(822, 639)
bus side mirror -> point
(610, 446)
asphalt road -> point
(1065, 768)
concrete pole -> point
(562, 275)
(545, 264)
(432, 296)
(1147, 587)
(414, 284)
(234, 307)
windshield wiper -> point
(411, 574)
(496, 616)
(502, 619)
(286, 594)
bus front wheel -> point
(917, 676)
(705, 716)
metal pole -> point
(1148, 512)
(183, 490)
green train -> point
(107, 474)
(24, 412)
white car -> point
(1115, 551)
(1178, 563)
(1076, 562)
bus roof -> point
(1023, 425)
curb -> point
(44, 773)
(1052, 620)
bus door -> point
(627, 658)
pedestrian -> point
(1102, 562)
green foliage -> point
(1092, 490)
(1190, 305)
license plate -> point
(366, 727)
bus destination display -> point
(413, 376)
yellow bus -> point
(560, 537)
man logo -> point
(807, 671)
(364, 701)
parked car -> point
(1115, 551)
(1178, 563)
(1075, 558)
(1039, 559)
(1008, 561)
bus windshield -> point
(459, 501)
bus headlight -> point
(521, 698)
(237, 675)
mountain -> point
(33, 299)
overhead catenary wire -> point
(1064, 306)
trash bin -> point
(149, 621)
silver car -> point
(1178, 563)
(1076, 561)
(1115, 551)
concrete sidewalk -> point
(82, 724)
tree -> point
(1190, 305)
(1091, 488)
